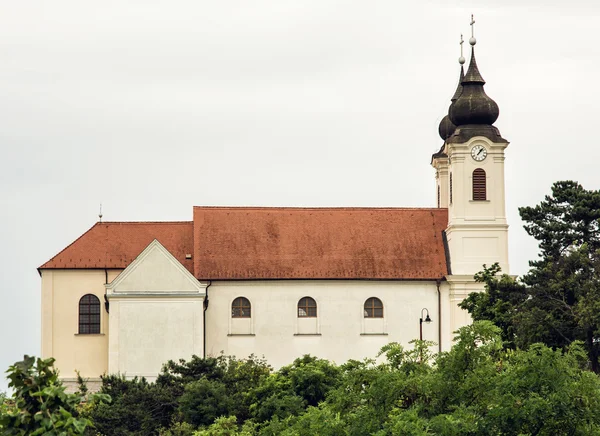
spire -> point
(459, 87)
(473, 106)
(447, 127)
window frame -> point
(369, 311)
(238, 311)
(89, 302)
(309, 306)
(479, 185)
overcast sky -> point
(152, 107)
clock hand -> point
(480, 151)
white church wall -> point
(156, 314)
(477, 230)
(147, 332)
(338, 333)
(61, 292)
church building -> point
(337, 283)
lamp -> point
(427, 320)
(421, 320)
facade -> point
(338, 283)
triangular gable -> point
(155, 271)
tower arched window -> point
(89, 315)
(450, 188)
(241, 308)
(307, 308)
(373, 308)
(479, 185)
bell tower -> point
(473, 159)
(477, 231)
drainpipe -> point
(106, 305)
(204, 320)
(437, 283)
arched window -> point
(307, 308)
(240, 308)
(479, 189)
(89, 315)
(450, 188)
(373, 308)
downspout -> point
(437, 283)
(204, 320)
(106, 305)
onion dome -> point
(447, 127)
(473, 106)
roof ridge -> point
(146, 222)
(317, 208)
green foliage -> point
(40, 405)
(478, 387)
(178, 429)
(205, 400)
(306, 382)
(138, 407)
(227, 426)
(558, 300)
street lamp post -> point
(427, 320)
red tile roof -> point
(116, 245)
(320, 243)
(236, 243)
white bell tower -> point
(472, 162)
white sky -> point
(152, 107)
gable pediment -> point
(155, 271)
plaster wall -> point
(147, 332)
(61, 292)
(156, 314)
(477, 230)
(340, 331)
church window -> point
(89, 315)
(450, 188)
(479, 188)
(373, 308)
(307, 308)
(240, 308)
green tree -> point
(40, 405)
(137, 408)
(558, 301)
(306, 382)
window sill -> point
(479, 201)
(307, 334)
(373, 334)
(241, 334)
(89, 334)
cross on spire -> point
(472, 40)
(461, 59)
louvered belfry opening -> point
(450, 188)
(479, 188)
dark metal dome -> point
(473, 106)
(447, 127)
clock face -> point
(479, 153)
